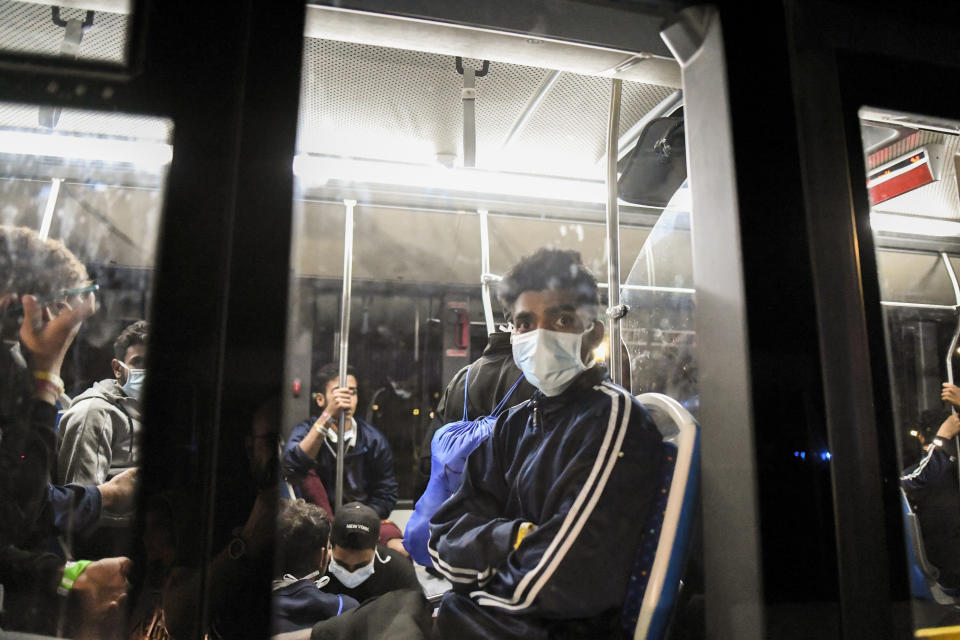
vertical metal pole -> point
(49, 208)
(485, 270)
(416, 333)
(344, 337)
(469, 95)
(956, 334)
(613, 232)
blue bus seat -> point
(660, 562)
(923, 575)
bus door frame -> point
(842, 59)
(229, 80)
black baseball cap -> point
(356, 526)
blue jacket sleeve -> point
(383, 487)
(294, 462)
(469, 538)
(70, 508)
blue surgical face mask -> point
(350, 579)
(133, 387)
(550, 360)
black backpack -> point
(657, 166)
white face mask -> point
(133, 387)
(350, 579)
(550, 360)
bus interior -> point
(430, 157)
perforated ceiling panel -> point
(392, 104)
(939, 199)
(28, 28)
(568, 132)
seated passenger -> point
(361, 568)
(931, 487)
(368, 463)
(100, 432)
(540, 538)
(303, 552)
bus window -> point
(70, 31)
(423, 178)
(912, 185)
(78, 230)
(658, 329)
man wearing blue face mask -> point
(539, 540)
(100, 432)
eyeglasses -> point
(64, 293)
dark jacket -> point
(32, 510)
(391, 571)
(367, 469)
(398, 615)
(932, 488)
(491, 375)
(583, 466)
(301, 605)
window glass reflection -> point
(47, 29)
(78, 230)
(912, 185)
(423, 192)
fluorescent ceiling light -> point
(914, 225)
(321, 170)
(87, 148)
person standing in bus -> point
(51, 288)
(100, 432)
(540, 538)
(368, 475)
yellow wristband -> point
(49, 377)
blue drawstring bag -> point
(449, 448)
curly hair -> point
(29, 265)
(136, 333)
(303, 529)
(549, 269)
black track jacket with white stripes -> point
(931, 486)
(583, 466)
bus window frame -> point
(836, 73)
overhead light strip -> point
(317, 171)
(914, 225)
(86, 148)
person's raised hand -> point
(950, 427)
(48, 340)
(341, 400)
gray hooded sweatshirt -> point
(99, 435)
